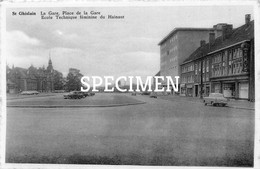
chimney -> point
(211, 38)
(247, 19)
(202, 42)
(226, 31)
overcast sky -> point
(106, 47)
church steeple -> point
(50, 68)
(50, 62)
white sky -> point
(106, 47)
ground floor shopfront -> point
(187, 90)
(195, 90)
(236, 87)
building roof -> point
(158, 74)
(183, 29)
(240, 34)
(21, 72)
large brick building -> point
(39, 79)
(224, 65)
(178, 45)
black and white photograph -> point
(130, 84)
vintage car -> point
(85, 94)
(153, 95)
(215, 99)
(31, 92)
(74, 95)
(145, 93)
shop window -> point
(229, 90)
(183, 90)
(243, 90)
(217, 88)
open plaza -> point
(122, 129)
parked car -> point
(91, 93)
(145, 93)
(153, 95)
(31, 92)
(133, 93)
(215, 99)
(85, 94)
(59, 91)
(74, 95)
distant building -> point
(179, 44)
(21, 79)
(224, 65)
(158, 81)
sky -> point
(121, 47)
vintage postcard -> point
(129, 84)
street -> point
(159, 132)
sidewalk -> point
(237, 104)
(241, 104)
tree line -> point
(69, 83)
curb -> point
(17, 98)
(234, 107)
(73, 106)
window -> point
(163, 45)
(234, 68)
(203, 67)
(207, 76)
(240, 53)
(230, 67)
(171, 50)
(207, 66)
(232, 62)
(224, 64)
(230, 54)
